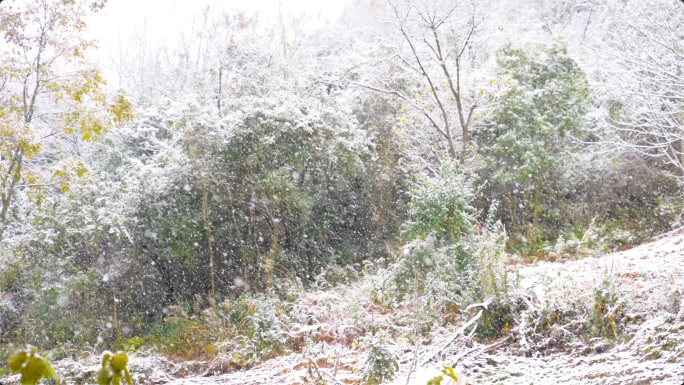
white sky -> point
(117, 21)
(162, 16)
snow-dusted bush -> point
(381, 363)
(441, 205)
(527, 141)
(449, 261)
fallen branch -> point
(482, 350)
(483, 306)
(321, 372)
(472, 332)
(460, 356)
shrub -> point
(441, 205)
(607, 308)
(449, 261)
(525, 144)
(381, 364)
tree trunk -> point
(167, 277)
(465, 145)
(14, 174)
(681, 154)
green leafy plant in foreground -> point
(113, 369)
(32, 366)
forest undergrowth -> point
(621, 307)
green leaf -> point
(104, 377)
(31, 366)
(17, 360)
(33, 371)
(449, 371)
(113, 368)
(119, 362)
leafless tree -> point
(439, 42)
(644, 56)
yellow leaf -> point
(17, 360)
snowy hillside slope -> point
(646, 283)
(651, 348)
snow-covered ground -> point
(651, 348)
(647, 282)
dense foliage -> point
(263, 162)
(528, 142)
